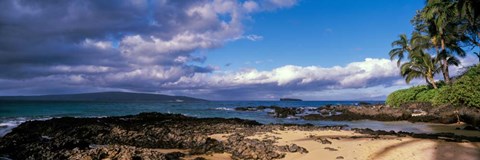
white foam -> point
(293, 117)
(6, 125)
(268, 110)
(224, 109)
(311, 108)
(4, 158)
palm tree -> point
(439, 16)
(469, 12)
(403, 46)
(437, 29)
(421, 42)
(421, 65)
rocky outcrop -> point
(279, 112)
(413, 112)
(149, 135)
(119, 152)
(141, 136)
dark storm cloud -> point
(75, 20)
(137, 45)
(37, 36)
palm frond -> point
(453, 61)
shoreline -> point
(412, 112)
(397, 126)
(157, 136)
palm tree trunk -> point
(432, 81)
(446, 75)
(429, 78)
(428, 81)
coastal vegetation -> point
(445, 30)
(464, 91)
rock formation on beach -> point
(167, 136)
(143, 136)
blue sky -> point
(212, 49)
(320, 32)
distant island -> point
(290, 99)
(104, 97)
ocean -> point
(14, 113)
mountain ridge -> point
(105, 97)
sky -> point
(212, 49)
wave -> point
(224, 109)
(7, 125)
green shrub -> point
(427, 95)
(465, 91)
(413, 94)
(399, 97)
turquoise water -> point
(14, 113)
(198, 109)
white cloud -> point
(251, 37)
(371, 79)
(468, 61)
(282, 3)
(97, 44)
(81, 69)
(353, 75)
(250, 6)
(377, 92)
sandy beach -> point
(350, 145)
